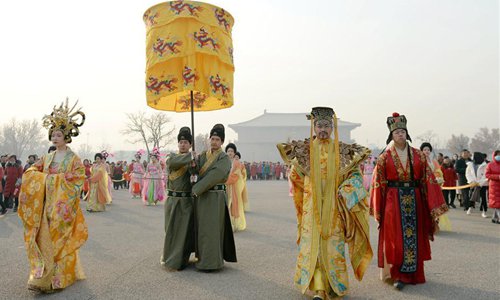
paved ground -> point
(121, 258)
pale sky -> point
(437, 62)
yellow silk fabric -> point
(99, 191)
(236, 196)
(54, 226)
(188, 48)
(328, 218)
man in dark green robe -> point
(215, 241)
(179, 211)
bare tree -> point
(201, 142)
(428, 136)
(151, 131)
(160, 135)
(486, 141)
(106, 146)
(457, 143)
(22, 138)
(136, 129)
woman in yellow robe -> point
(242, 183)
(99, 191)
(235, 187)
(54, 226)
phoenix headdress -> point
(64, 119)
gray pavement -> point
(121, 257)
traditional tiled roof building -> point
(257, 138)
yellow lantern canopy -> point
(189, 57)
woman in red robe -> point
(86, 184)
(406, 201)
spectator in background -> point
(493, 176)
(2, 204)
(450, 180)
(476, 174)
(267, 170)
(13, 175)
(253, 171)
(460, 167)
(3, 162)
(440, 158)
(31, 160)
(277, 171)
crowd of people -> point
(463, 178)
(266, 170)
(206, 200)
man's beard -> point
(323, 135)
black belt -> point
(402, 184)
(171, 193)
(218, 187)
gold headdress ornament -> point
(65, 119)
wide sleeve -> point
(97, 175)
(378, 189)
(175, 162)
(438, 173)
(432, 190)
(233, 177)
(297, 180)
(217, 173)
(354, 211)
(103, 195)
(31, 204)
(71, 181)
(490, 175)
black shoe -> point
(3, 212)
(398, 285)
(453, 205)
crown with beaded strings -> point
(321, 113)
(64, 119)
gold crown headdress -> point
(65, 119)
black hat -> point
(218, 130)
(425, 144)
(185, 134)
(321, 113)
(397, 121)
(232, 146)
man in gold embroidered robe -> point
(331, 206)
